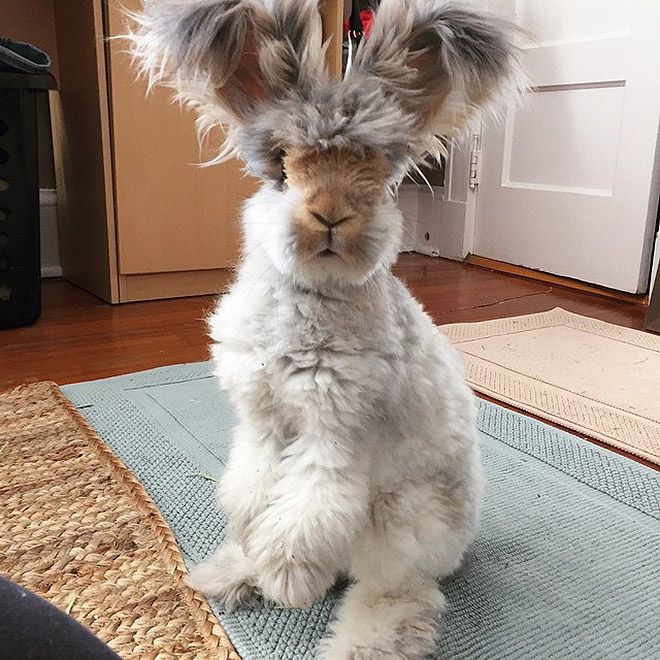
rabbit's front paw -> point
(334, 649)
(226, 576)
(290, 582)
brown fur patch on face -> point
(340, 188)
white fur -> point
(356, 450)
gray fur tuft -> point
(441, 62)
(227, 57)
(257, 68)
(195, 47)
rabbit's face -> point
(337, 226)
(333, 218)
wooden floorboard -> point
(82, 338)
(566, 282)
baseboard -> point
(180, 284)
(50, 251)
(51, 271)
(47, 197)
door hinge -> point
(475, 168)
(475, 161)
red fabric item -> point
(367, 16)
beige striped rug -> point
(599, 379)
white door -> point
(569, 179)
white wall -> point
(409, 207)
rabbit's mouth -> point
(327, 253)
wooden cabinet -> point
(139, 218)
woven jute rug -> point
(600, 379)
(77, 528)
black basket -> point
(20, 290)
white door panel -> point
(540, 139)
(583, 63)
(563, 21)
(568, 180)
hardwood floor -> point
(79, 337)
(82, 338)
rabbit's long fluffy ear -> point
(441, 62)
(227, 56)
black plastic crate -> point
(20, 277)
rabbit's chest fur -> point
(370, 367)
(294, 348)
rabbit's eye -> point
(281, 155)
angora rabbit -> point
(356, 450)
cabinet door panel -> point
(172, 215)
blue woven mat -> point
(567, 564)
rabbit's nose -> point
(329, 222)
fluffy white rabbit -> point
(356, 450)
